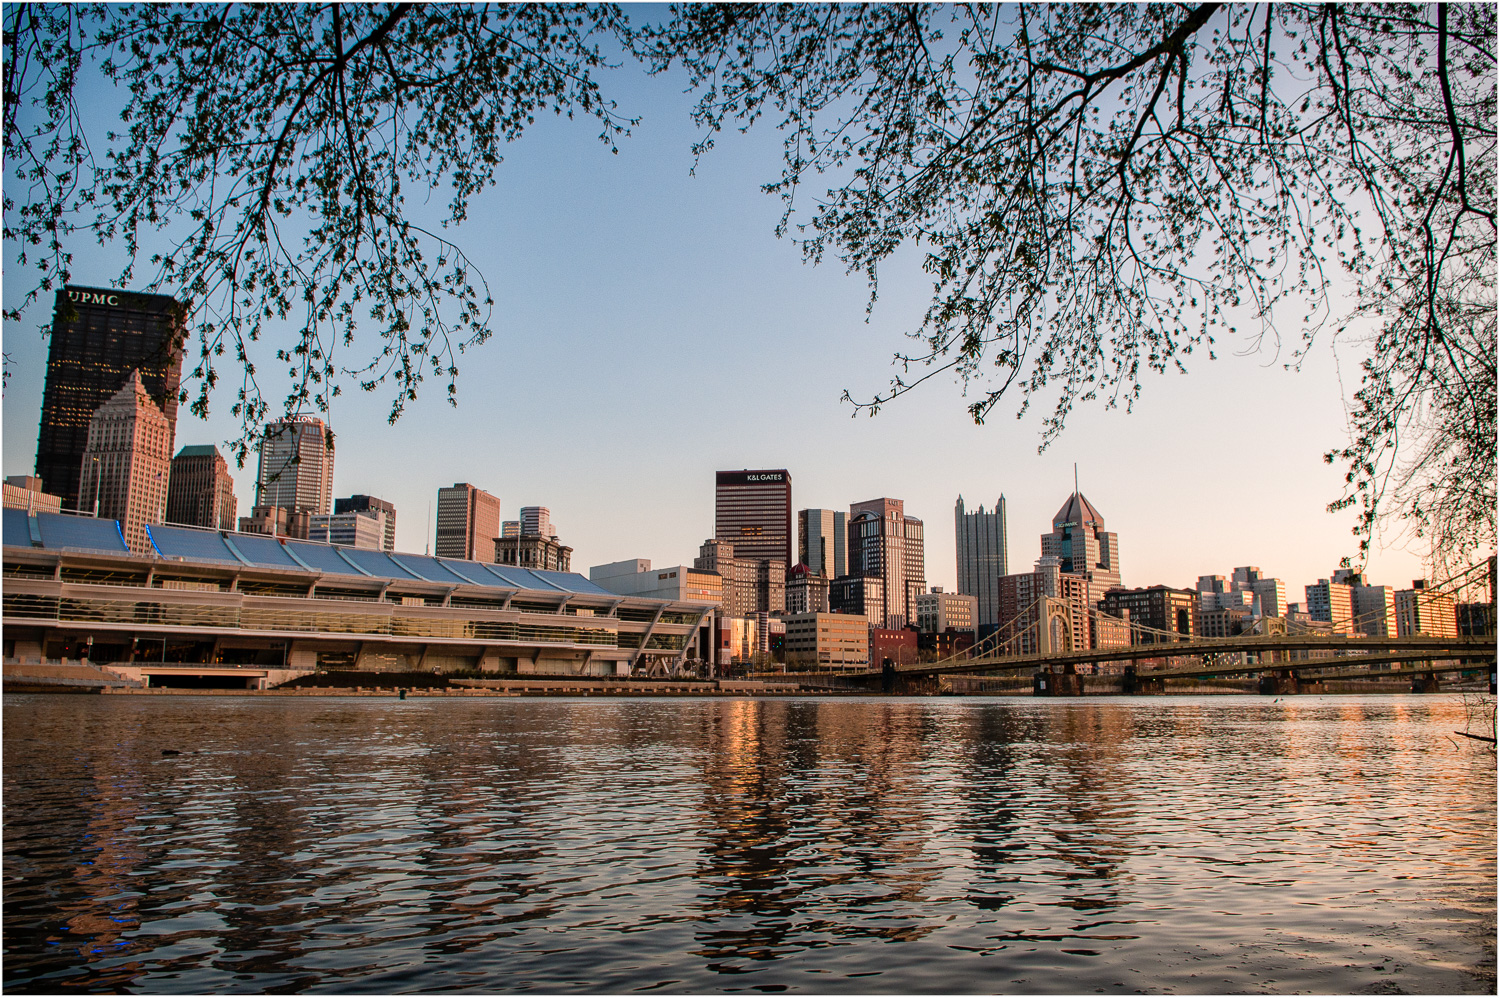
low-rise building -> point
(938, 611)
(207, 598)
(25, 492)
(1223, 622)
(534, 551)
(898, 645)
(279, 521)
(827, 640)
(636, 577)
(944, 644)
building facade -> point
(372, 505)
(858, 596)
(1270, 594)
(822, 538)
(751, 585)
(806, 591)
(536, 521)
(887, 544)
(1420, 610)
(277, 521)
(1374, 611)
(126, 463)
(468, 522)
(1085, 548)
(1153, 609)
(99, 337)
(753, 511)
(295, 470)
(681, 583)
(981, 557)
(827, 640)
(214, 599)
(363, 530)
(533, 551)
(200, 492)
(1222, 622)
(896, 644)
(1332, 603)
(938, 611)
(25, 492)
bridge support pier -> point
(1284, 682)
(1134, 685)
(1057, 684)
(1425, 684)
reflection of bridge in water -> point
(1287, 655)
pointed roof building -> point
(1085, 548)
(126, 462)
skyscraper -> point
(369, 504)
(296, 465)
(98, 339)
(126, 461)
(887, 544)
(1078, 538)
(822, 536)
(981, 556)
(201, 490)
(753, 511)
(468, 521)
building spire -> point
(1075, 478)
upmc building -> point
(753, 511)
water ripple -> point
(1218, 844)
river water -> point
(871, 845)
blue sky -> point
(650, 329)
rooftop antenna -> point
(428, 550)
(1075, 478)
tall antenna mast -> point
(1075, 478)
(428, 540)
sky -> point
(650, 329)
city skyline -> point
(719, 349)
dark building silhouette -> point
(98, 338)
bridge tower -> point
(1056, 625)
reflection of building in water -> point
(802, 798)
(103, 899)
(1093, 797)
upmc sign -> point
(93, 298)
(751, 477)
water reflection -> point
(1315, 843)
